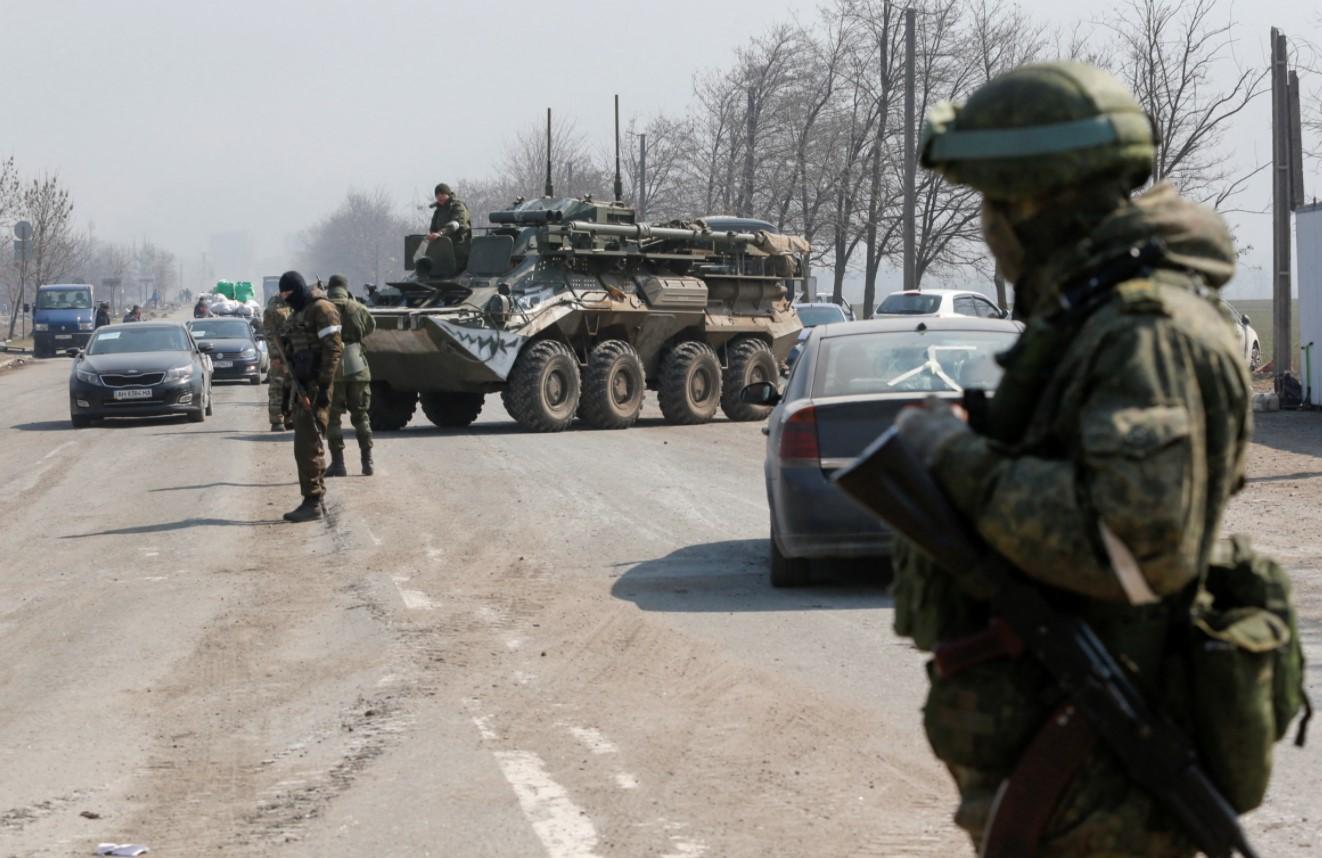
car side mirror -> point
(760, 393)
(1245, 319)
(73, 352)
(205, 347)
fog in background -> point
(221, 132)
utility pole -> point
(1287, 194)
(910, 167)
(642, 179)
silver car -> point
(845, 389)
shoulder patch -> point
(1140, 296)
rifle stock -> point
(890, 482)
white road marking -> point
(414, 600)
(594, 740)
(624, 780)
(53, 453)
(562, 826)
(684, 848)
(483, 723)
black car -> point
(142, 369)
(236, 352)
(844, 391)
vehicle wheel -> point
(80, 421)
(209, 404)
(690, 387)
(1255, 358)
(788, 571)
(613, 386)
(256, 379)
(749, 361)
(391, 410)
(451, 410)
(543, 387)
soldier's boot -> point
(277, 426)
(336, 468)
(308, 510)
(289, 420)
(366, 454)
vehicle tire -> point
(690, 387)
(788, 571)
(391, 410)
(613, 386)
(451, 410)
(543, 387)
(197, 416)
(210, 410)
(1255, 358)
(748, 360)
(256, 379)
(80, 421)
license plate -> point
(222, 364)
(64, 336)
(134, 393)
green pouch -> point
(1246, 668)
(929, 606)
(985, 716)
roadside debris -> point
(129, 849)
(90, 814)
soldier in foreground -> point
(275, 315)
(312, 345)
(1100, 470)
(450, 218)
(353, 385)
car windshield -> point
(910, 362)
(909, 304)
(220, 329)
(138, 339)
(813, 315)
(64, 299)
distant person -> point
(353, 386)
(102, 314)
(450, 218)
(133, 315)
(201, 310)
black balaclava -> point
(293, 283)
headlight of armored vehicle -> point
(498, 309)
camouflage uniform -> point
(455, 210)
(353, 386)
(313, 346)
(1117, 434)
(275, 315)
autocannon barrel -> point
(533, 218)
(643, 231)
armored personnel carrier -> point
(568, 308)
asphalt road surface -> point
(503, 644)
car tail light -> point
(798, 438)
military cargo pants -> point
(354, 397)
(308, 452)
(275, 393)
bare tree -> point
(363, 239)
(668, 142)
(54, 251)
(1170, 54)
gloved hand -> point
(927, 428)
(323, 398)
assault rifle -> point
(297, 390)
(892, 484)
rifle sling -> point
(1029, 796)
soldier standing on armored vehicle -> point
(353, 386)
(312, 346)
(275, 315)
(1100, 471)
(450, 218)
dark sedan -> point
(236, 353)
(844, 391)
(143, 369)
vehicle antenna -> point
(619, 185)
(549, 190)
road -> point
(503, 644)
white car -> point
(1248, 338)
(946, 303)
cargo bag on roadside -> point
(1246, 668)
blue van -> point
(62, 317)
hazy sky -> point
(178, 120)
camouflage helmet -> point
(1040, 128)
